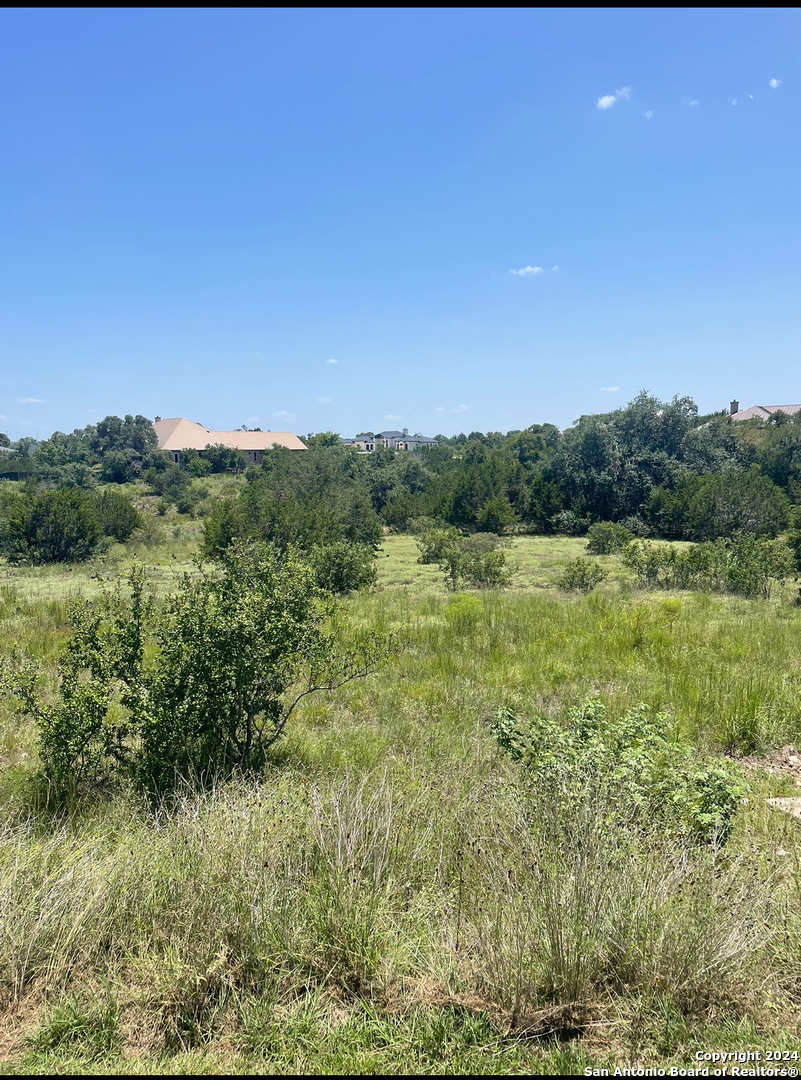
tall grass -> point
(392, 860)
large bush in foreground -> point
(201, 688)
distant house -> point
(760, 412)
(178, 434)
(392, 440)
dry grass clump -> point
(259, 892)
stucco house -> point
(178, 434)
(392, 440)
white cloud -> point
(391, 416)
(648, 114)
(31, 401)
(252, 420)
(524, 271)
(282, 414)
(439, 408)
(732, 100)
(608, 100)
(324, 400)
(608, 389)
(462, 408)
(554, 268)
(330, 361)
(691, 103)
(775, 83)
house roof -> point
(399, 435)
(181, 434)
(763, 412)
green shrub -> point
(475, 561)
(50, 527)
(116, 513)
(635, 756)
(569, 523)
(201, 689)
(342, 568)
(581, 575)
(607, 538)
(431, 537)
(748, 566)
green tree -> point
(50, 527)
(496, 515)
(117, 515)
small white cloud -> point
(690, 103)
(608, 100)
(524, 271)
(554, 268)
(324, 400)
(775, 83)
(462, 408)
(751, 96)
(732, 100)
(608, 389)
(439, 408)
(282, 414)
(31, 401)
(252, 420)
(330, 361)
(648, 114)
(391, 416)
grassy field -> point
(390, 896)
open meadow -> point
(393, 893)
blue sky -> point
(310, 220)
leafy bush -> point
(636, 755)
(580, 575)
(116, 513)
(171, 483)
(747, 566)
(203, 688)
(50, 527)
(342, 568)
(636, 526)
(607, 538)
(224, 458)
(720, 505)
(475, 561)
(197, 465)
(432, 537)
(569, 523)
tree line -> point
(655, 467)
